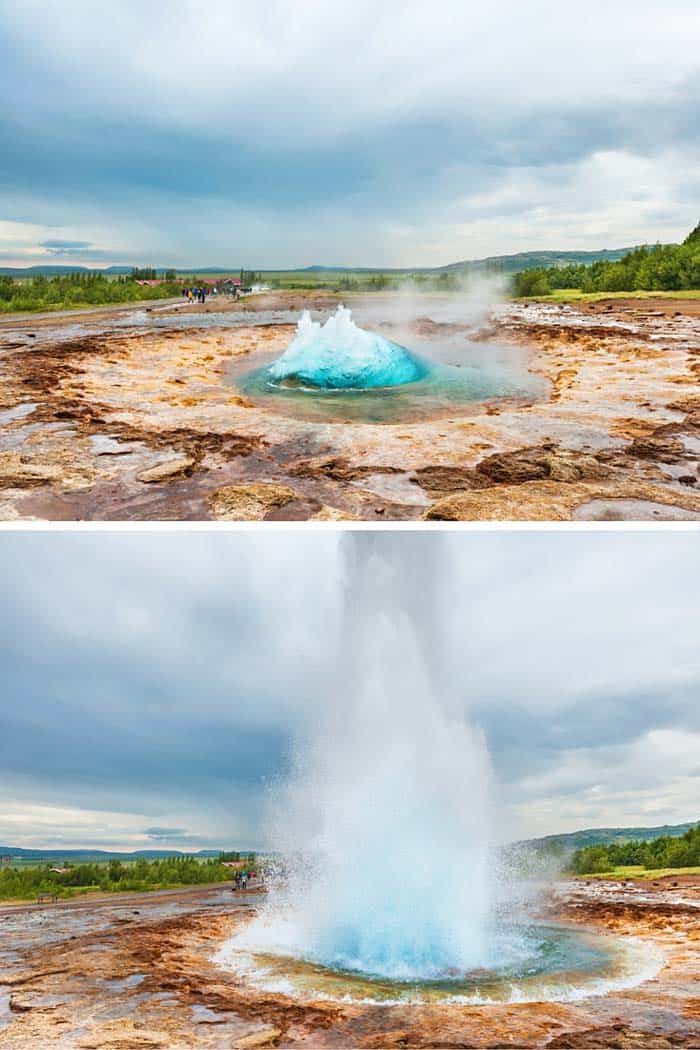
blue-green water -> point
(438, 390)
(339, 372)
(527, 961)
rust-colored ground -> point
(125, 423)
(138, 974)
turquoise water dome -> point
(341, 356)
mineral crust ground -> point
(111, 417)
(138, 972)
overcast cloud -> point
(292, 133)
(154, 683)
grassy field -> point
(27, 881)
(636, 871)
(71, 892)
(575, 295)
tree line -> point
(663, 852)
(81, 289)
(135, 876)
(662, 267)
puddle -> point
(631, 510)
(676, 471)
(395, 487)
(203, 1015)
(18, 436)
(122, 984)
(44, 1002)
(9, 415)
(5, 1012)
(102, 445)
(692, 444)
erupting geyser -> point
(389, 888)
(341, 356)
(384, 823)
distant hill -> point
(97, 856)
(41, 271)
(573, 840)
(502, 263)
(112, 271)
(535, 260)
(507, 264)
(563, 843)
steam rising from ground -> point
(385, 819)
(470, 302)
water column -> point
(385, 818)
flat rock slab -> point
(250, 502)
(171, 468)
(264, 1037)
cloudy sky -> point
(154, 684)
(287, 133)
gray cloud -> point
(65, 246)
(289, 135)
(159, 681)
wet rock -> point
(339, 469)
(171, 468)
(20, 1004)
(398, 1038)
(263, 1037)
(126, 1034)
(658, 449)
(550, 501)
(620, 1037)
(437, 480)
(249, 502)
(540, 463)
(332, 514)
(18, 473)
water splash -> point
(341, 356)
(385, 820)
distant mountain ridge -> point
(574, 840)
(111, 271)
(507, 264)
(571, 840)
(503, 263)
(87, 856)
(535, 260)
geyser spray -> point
(384, 821)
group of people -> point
(196, 295)
(241, 878)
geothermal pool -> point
(530, 962)
(338, 371)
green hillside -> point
(511, 264)
(574, 840)
(655, 853)
(656, 268)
